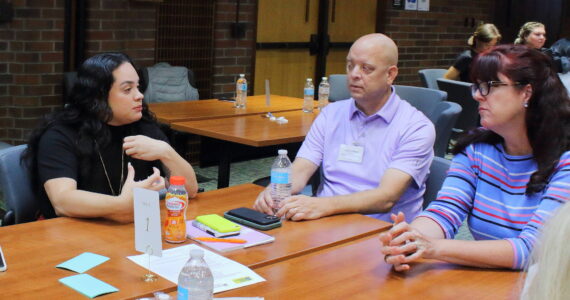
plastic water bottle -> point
(280, 179)
(309, 95)
(195, 280)
(324, 90)
(241, 91)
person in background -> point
(506, 179)
(549, 271)
(560, 53)
(532, 34)
(374, 149)
(484, 37)
(88, 157)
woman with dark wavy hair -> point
(507, 177)
(88, 157)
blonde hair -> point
(525, 31)
(484, 33)
(552, 260)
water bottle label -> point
(182, 293)
(309, 92)
(175, 203)
(279, 177)
(243, 87)
(324, 90)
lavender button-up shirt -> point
(398, 136)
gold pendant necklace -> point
(107, 174)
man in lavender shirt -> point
(375, 149)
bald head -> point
(380, 45)
(371, 68)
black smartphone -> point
(3, 265)
(253, 218)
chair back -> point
(437, 173)
(15, 180)
(69, 79)
(565, 78)
(166, 83)
(460, 93)
(339, 87)
(444, 118)
(423, 99)
(429, 77)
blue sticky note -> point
(83, 262)
(88, 285)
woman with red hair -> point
(507, 177)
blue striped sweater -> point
(487, 186)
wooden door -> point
(299, 39)
(286, 26)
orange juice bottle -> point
(176, 202)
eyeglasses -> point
(485, 87)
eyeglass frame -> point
(493, 83)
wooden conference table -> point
(170, 112)
(33, 250)
(357, 270)
(252, 130)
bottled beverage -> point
(324, 90)
(280, 179)
(309, 95)
(176, 202)
(241, 91)
(195, 280)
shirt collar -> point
(387, 112)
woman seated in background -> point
(485, 37)
(88, 157)
(549, 273)
(506, 178)
(532, 34)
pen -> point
(213, 239)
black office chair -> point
(15, 180)
(460, 93)
(437, 174)
(429, 77)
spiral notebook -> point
(253, 238)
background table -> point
(33, 250)
(253, 130)
(169, 112)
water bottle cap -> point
(197, 253)
(309, 79)
(241, 75)
(282, 152)
(177, 180)
(325, 78)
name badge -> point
(351, 153)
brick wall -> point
(31, 54)
(434, 38)
(233, 56)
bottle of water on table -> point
(280, 179)
(241, 91)
(324, 90)
(309, 96)
(195, 280)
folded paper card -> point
(83, 262)
(88, 285)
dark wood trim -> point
(381, 15)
